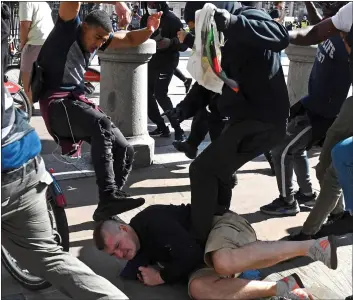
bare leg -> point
(25, 81)
(258, 255)
(213, 287)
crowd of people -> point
(204, 243)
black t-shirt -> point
(163, 231)
(63, 57)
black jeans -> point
(210, 173)
(205, 122)
(159, 77)
(112, 155)
(179, 75)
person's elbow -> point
(283, 42)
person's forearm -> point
(138, 37)
(313, 15)
(24, 31)
(304, 37)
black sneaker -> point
(306, 200)
(155, 132)
(183, 146)
(179, 135)
(116, 203)
(160, 132)
(340, 226)
(280, 207)
(300, 237)
(187, 84)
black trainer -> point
(184, 146)
(304, 199)
(165, 132)
(280, 207)
(339, 226)
(179, 135)
(187, 84)
(300, 237)
(116, 203)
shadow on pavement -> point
(110, 268)
(82, 226)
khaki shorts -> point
(228, 231)
(29, 55)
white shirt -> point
(343, 20)
(39, 13)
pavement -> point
(167, 182)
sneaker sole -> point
(333, 244)
(279, 213)
(176, 146)
(155, 134)
(308, 203)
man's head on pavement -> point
(330, 8)
(116, 239)
(96, 29)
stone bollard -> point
(301, 61)
(123, 96)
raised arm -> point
(69, 10)
(313, 15)
(127, 39)
(341, 22)
(313, 35)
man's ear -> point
(123, 227)
(84, 26)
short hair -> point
(98, 235)
(99, 18)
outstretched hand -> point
(153, 21)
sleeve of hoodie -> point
(174, 26)
(189, 40)
(255, 28)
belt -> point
(15, 174)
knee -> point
(160, 93)
(105, 124)
(222, 263)
(342, 152)
(196, 288)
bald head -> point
(116, 238)
(104, 229)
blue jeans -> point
(342, 159)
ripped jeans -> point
(112, 155)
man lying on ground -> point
(160, 249)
